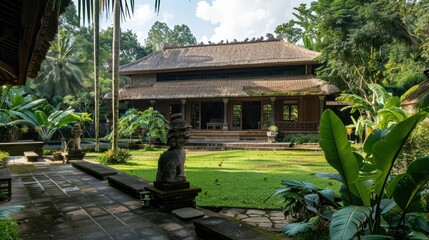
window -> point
(290, 111)
(174, 108)
(266, 115)
(236, 116)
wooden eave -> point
(26, 29)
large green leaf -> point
(410, 184)
(346, 222)
(5, 211)
(337, 149)
(374, 137)
(292, 229)
(376, 237)
(386, 151)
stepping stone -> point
(219, 228)
(97, 170)
(188, 213)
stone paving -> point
(62, 202)
(272, 220)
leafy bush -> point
(110, 157)
(48, 152)
(8, 229)
(3, 155)
(300, 138)
(273, 128)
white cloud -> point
(167, 17)
(240, 19)
(141, 21)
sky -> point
(212, 20)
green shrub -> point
(121, 156)
(3, 155)
(8, 229)
(300, 138)
(48, 152)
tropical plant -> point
(9, 228)
(375, 202)
(382, 110)
(309, 206)
(14, 101)
(59, 75)
(47, 124)
(110, 157)
(149, 123)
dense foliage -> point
(364, 42)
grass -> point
(238, 178)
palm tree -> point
(59, 76)
(119, 7)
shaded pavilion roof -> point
(219, 88)
(216, 56)
(26, 29)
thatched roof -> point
(26, 29)
(215, 56)
(412, 99)
(219, 88)
(422, 90)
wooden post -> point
(225, 114)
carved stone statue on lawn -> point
(171, 163)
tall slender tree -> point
(115, 72)
(96, 7)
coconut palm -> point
(119, 7)
(59, 75)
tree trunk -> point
(115, 75)
(96, 73)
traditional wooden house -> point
(231, 87)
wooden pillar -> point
(322, 104)
(225, 114)
(273, 100)
(183, 101)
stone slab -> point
(188, 213)
(222, 229)
(97, 170)
(129, 184)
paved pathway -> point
(62, 202)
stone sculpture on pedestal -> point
(74, 150)
(171, 190)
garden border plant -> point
(375, 204)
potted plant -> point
(272, 133)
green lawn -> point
(238, 178)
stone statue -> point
(171, 163)
(74, 151)
(74, 142)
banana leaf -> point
(346, 222)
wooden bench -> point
(5, 182)
(129, 184)
(31, 156)
(213, 123)
(97, 170)
(220, 228)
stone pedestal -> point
(168, 200)
(171, 186)
(74, 155)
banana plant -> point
(375, 203)
(382, 111)
(47, 124)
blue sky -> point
(212, 20)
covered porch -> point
(292, 103)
